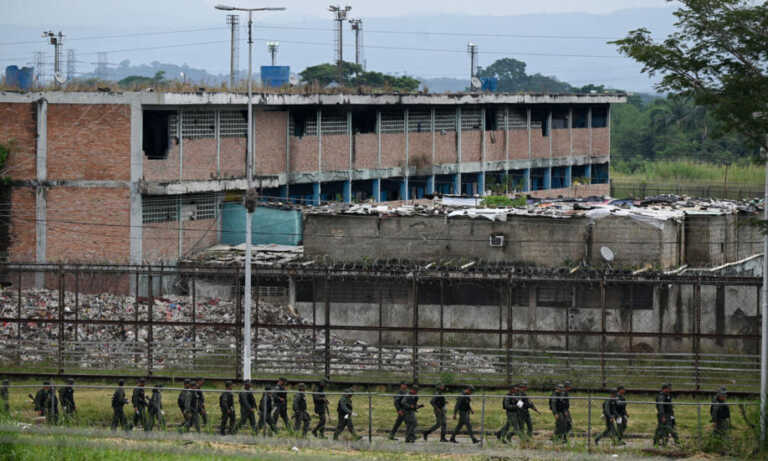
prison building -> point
(140, 177)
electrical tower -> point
(273, 48)
(234, 55)
(472, 50)
(101, 65)
(340, 15)
(357, 26)
(57, 40)
(39, 56)
(70, 65)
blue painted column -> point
(404, 190)
(568, 176)
(548, 178)
(527, 180)
(481, 184)
(376, 192)
(456, 184)
(316, 193)
(347, 194)
(588, 173)
(284, 193)
(430, 184)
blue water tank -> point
(275, 76)
(490, 83)
(19, 78)
(269, 225)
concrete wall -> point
(536, 240)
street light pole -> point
(249, 178)
(764, 336)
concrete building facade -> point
(140, 177)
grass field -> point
(687, 172)
(94, 412)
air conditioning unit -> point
(496, 240)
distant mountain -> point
(571, 46)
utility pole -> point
(472, 50)
(70, 65)
(38, 63)
(340, 15)
(249, 203)
(57, 40)
(357, 26)
(273, 47)
(101, 65)
(234, 54)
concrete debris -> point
(264, 255)
(121, 346)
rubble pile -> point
(116, 346)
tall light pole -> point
(273, 47)
(250, 204)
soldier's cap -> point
(228, 383)
(521, 384)
(349, 390)
(301, 386)
(560, 386)
(282, 379)
(415, 387)
(471, 388)
(567, 384)
(403, 383)
(619, 388)
(70, 381)
(613, 391)
(46, 383)
(120, 382)
(722, 391)
(141, 381)
(187, 381)
(665, 386)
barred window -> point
(303, 123)
(419, 120)
(470, 119)
(194, 124)
(393, 121)
(334, 122)
(167, 208)
(518, 118)
(445, 119)
(233, 124)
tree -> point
(717, 57)
(512, 78)
(353, 75)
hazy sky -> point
(137, 13)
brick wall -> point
(366, 150)
(573, 191)
(233, 157)
(445, 148)
(539, 144)
(199, 161)
(580, 141)
(335, 152)
(420, 146)
(89, 141)
(518, 144)
(166, 169)
(471, 146)
(561, 143)
(392, 150)
(270, 135)
(160, 242)
(88, 225)
(304, 153)
(22, 228)
(600, 141)
(494, 145)
(18, 123)
(198, 235)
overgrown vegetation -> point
(690, 172)
(353, 75)
(502, 201)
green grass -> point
(688, 172)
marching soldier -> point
(189, 407)
(411, 405)
(559, 407)
(247, 406)
(509, 404)
(180, 399)
(399, 408)
(227, 405)
(438, 406)
(280, 404)
(526, 424)
(321, 409)
(464, 409)
(621, 407)
(50, 405)
(67, 397)
(568, 418)
(610, 414)
(5, 407)
(665, 414)
(139, 402)
(156, 412)
(200, 401)
(118, 402)
(265, 410)
(300, 415)
(721, 414)
(344, 411)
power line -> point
(134, 34)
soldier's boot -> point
(425, 435)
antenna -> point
(340, 15)
(71, 65)
(234, 54)
(472, 50)
(101, 65)
(357, 26)
(57, 41)
(273, 47)
(38, 63)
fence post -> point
(370, 418)
(238, 326)
(381, 323)
(60, 370)
(254, 352)
(19, 324)
(603, 341)
(442, 310)
(482, 422)
(699, 430)
(77, 302)
(314, 324)
(136, 305)
(507, 355)
(415, 355)
(327, 328)
(697, 326)
(150, 314)
(589, 422)
(194, 322)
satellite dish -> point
(59, 77)
(606, 253)
(293, 80)
(476, 83)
